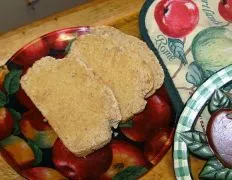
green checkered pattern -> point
(188, 116)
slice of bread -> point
(128, 77)
(128, 69)
(80, 107)
(134, 46)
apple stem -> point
(188, 51)
(181, 64)
(177, 71)
(191, 89)
(184, 40)
(226, 24)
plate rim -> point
(191, 111)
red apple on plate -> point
(225, 9)
(158, 111)
(6, 123)
(59, 41)
(157, 145)
(31, 53)
(139, 130)
(35, 127)
(157, 114)
(73, 167)
(42, 173)
(176, 18)
(124, 155)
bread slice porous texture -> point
(130, 79)
(124, 63)
(134, 45)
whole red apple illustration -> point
(6, 123)
(31, 53)
(176, 18)
(225, 9)
(73, 167)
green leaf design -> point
(195, 74)
(12, 81)
(16, 117)
(68, 47)
(3, 99)
(37, 151)
(127, 124)
(197, 143)
(213, 169)
(131, 173)
(176, 46)
(218, 101)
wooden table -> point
(122, 14)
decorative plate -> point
(32, 148)
(212, 139)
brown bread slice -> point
(125, 72)
(80, 108)
(133, 45)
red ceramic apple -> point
(176, 18)
(42, 173)
(34, 127)
(124, 155)
(157, 145)
(73, 167)
(219, 130)
(6, 123)
(157, 114)
(225, 9)
(30, 53)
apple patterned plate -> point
(212, 141)
(32, 148)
